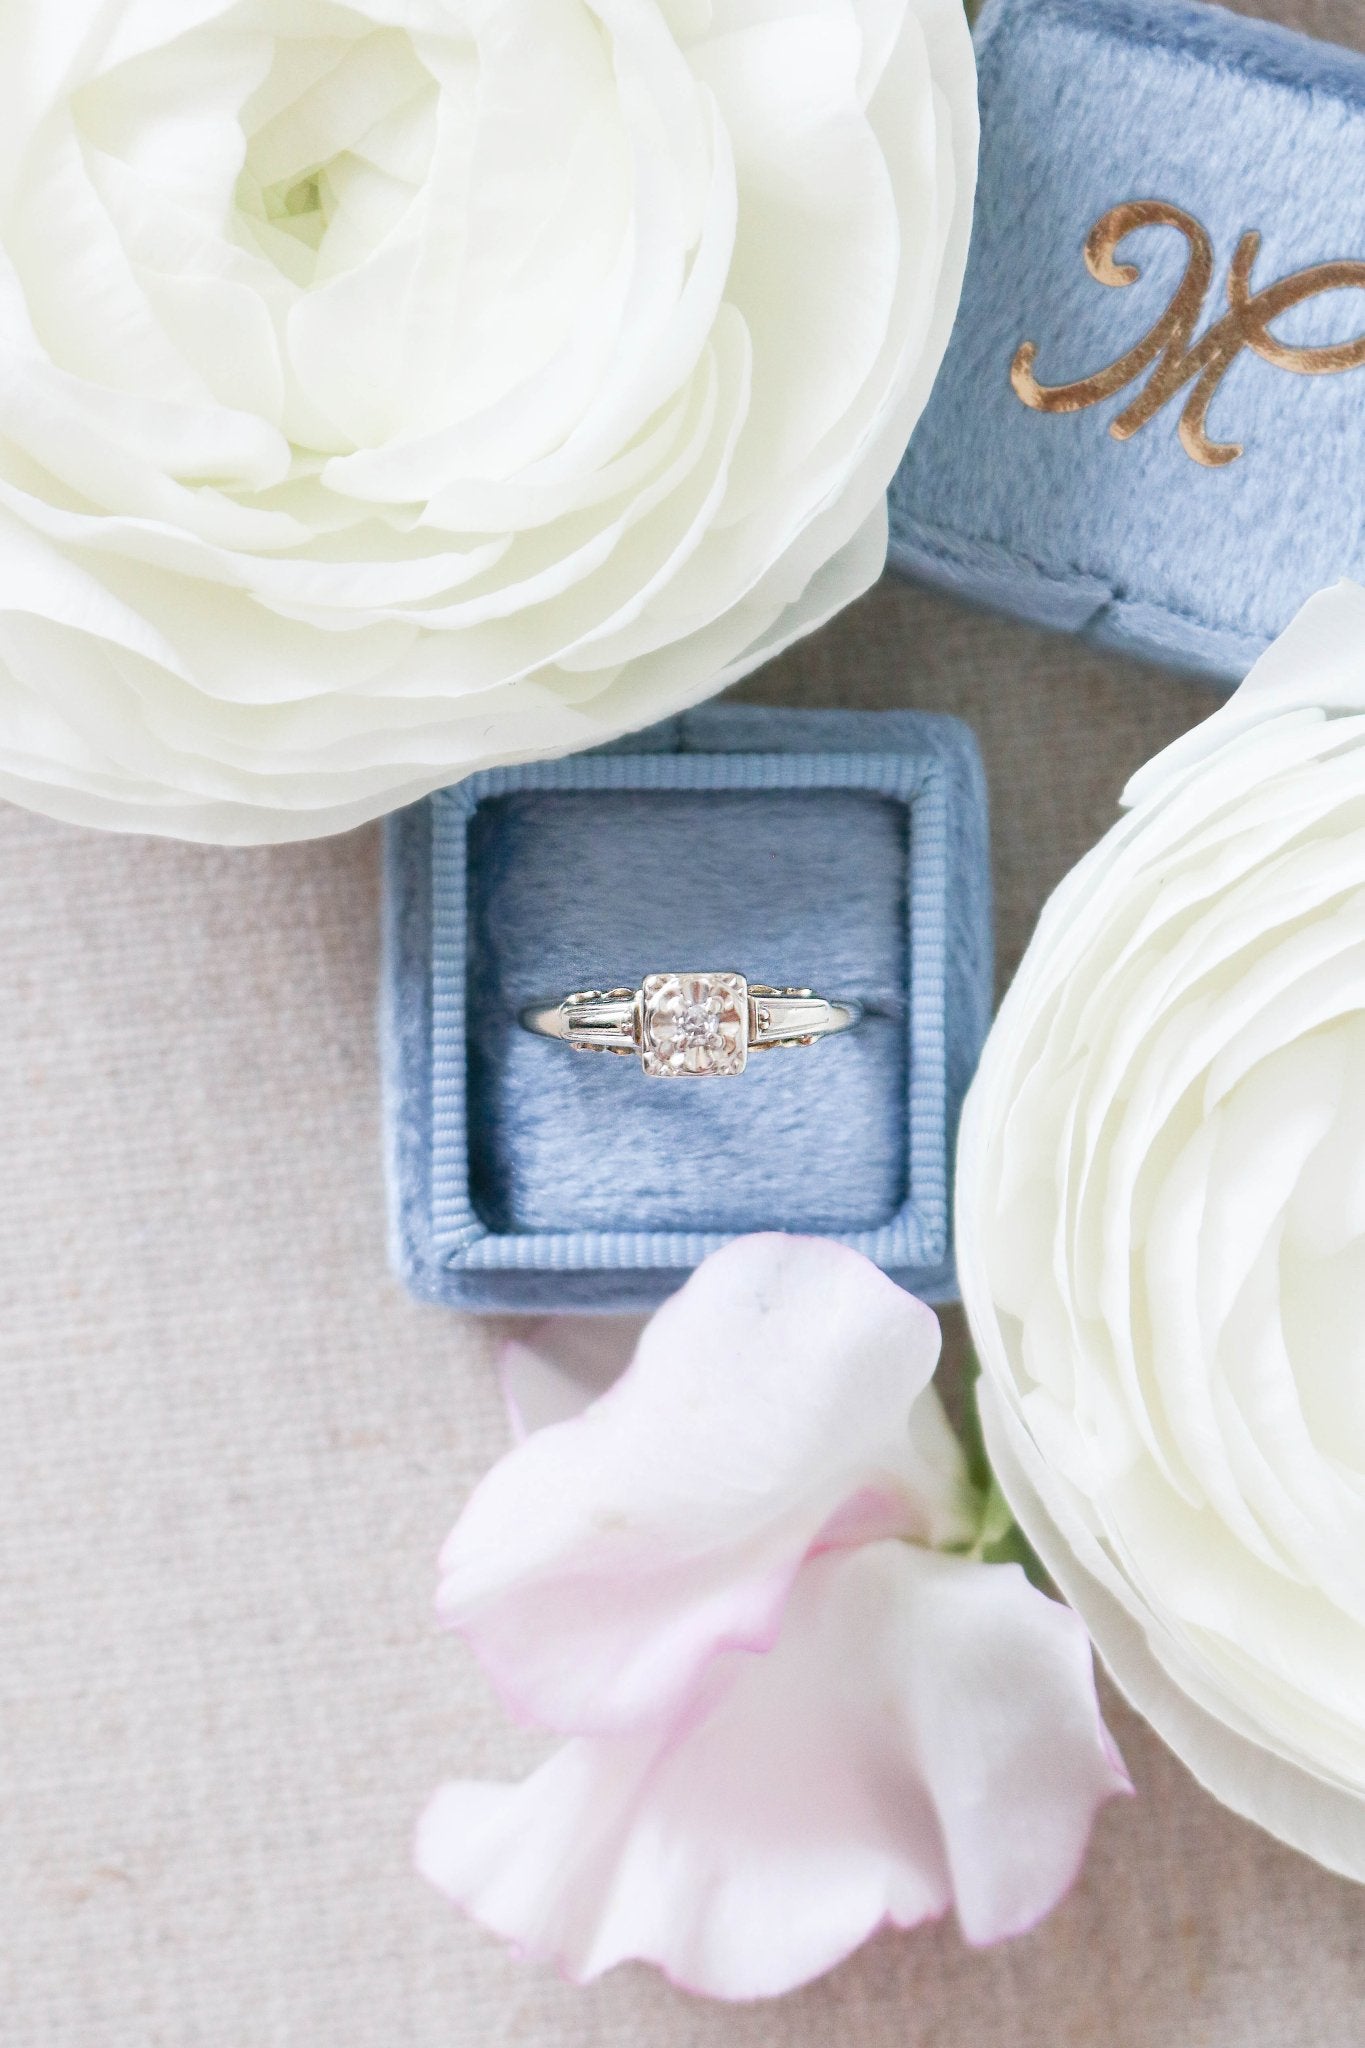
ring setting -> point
(690, 1026)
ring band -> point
(690, 1025)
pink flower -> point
(746, 1584)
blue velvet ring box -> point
(842, 851)
(1148, 162)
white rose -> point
(1161, 1228)
(397, 387)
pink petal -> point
(559, 1366)
(925, 1733)
(1000, 1686)
(606, 1560)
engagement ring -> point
(690, 1025)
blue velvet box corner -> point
(844, 851)
(1243, 126)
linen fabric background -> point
(232, 1445)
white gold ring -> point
(692, 1025)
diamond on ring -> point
(694, 1024)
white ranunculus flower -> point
(1161, 1232)
(395, 387)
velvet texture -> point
(846, 852)
(1244, 125)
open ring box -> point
(1146, 161)
(846, 852)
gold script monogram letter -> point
(1170, 345)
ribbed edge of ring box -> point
(440, 1244)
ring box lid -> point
(1242, 127)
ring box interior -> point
(845, 852)
(1242, 128)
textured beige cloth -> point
(231, 1447)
